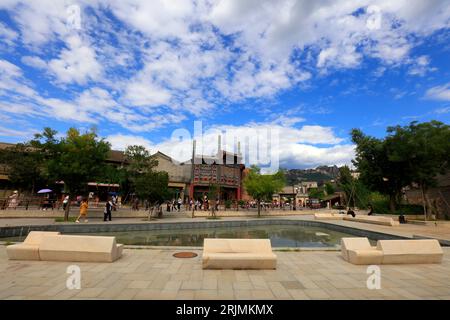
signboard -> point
(211, 174)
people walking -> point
(107, 211)
(180, 202)
(13, 200)
(83, 211)
(65, 202)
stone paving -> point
(156, 274)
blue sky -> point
(138, 70)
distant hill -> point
(319, 174)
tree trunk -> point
(259, 208)
(392, 203)
(425, 214)
(213, 208)
(67, 211)
(430, 207)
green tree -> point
(415, 153)
(263, 186)
(144, 181)
(316, 193)
(329, 188)
(24, 166)
(377, 170)
(424, 151)
(75, 159)
(356, 193)
(213, 194)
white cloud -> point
(7, 35)
(122, 141)
(439, 93)
(76, 64)
(34, 62)
(444, 110)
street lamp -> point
(295, 191)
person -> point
(107, 211)
(65, 202)
(401, 219)
(83, 211)
(174, 206)
(146, 205)
(114, 202)
(13, 200)
(119, 201)
(197, 205)
(191, 203)
(180, 202)
(370, 210)
(79, 200)
(351, 212)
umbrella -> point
(44, 191)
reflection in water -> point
(280, 236)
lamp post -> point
(294, 191)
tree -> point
(415, 153)
(316, 193)
(356, 193)
(329, 188)
(24, 165)
(145, 182)
(377, 170)
(213, 194)
(424, 150)
(75, 159)
(263, 186)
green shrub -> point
(228, 204)
(380, 204)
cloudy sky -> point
(141, 70)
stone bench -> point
(52, 246)
(238, 254)
(329, 216)
(386, 221)
(360, 251)
(29, 249)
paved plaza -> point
(153, 273)
(156, 274)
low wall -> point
(92, 213)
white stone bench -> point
(52, 246)
(359, 251)
(238, 254)
(386, 221)
(410, 251)
(29, 249)
(329, 216)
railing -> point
(29, 203)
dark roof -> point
(116, 156)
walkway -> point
(156, 274)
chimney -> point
(194, 142)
